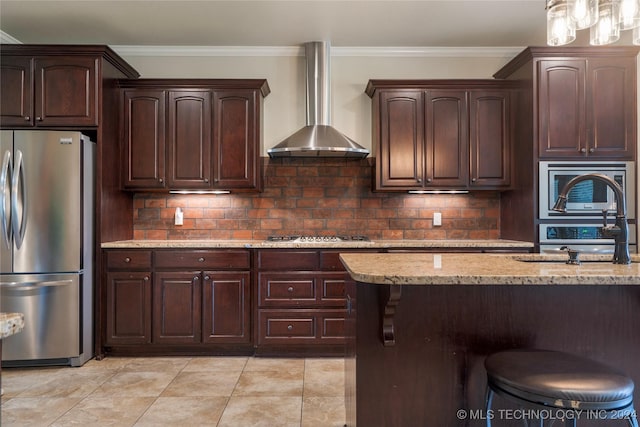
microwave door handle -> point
(5, 193)
(18, 183)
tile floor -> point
(182, 391)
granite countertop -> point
(261, 244)
(488, 269)
(10, 324)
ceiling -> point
(373, 23)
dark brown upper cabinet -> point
(54, 86)
(206, 132)
(583, 100)
(444, 134)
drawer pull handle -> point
(127, 259)
(290, 328)
(27, 118)
(201, 259)
(290, 289)
(39, 119)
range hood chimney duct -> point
(318, 138)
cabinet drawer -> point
(291, 326)
(203, 259)
(288, 260)
(287, 289)
(128, 260)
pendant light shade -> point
(629, 14)
(607, 29)
(561, 28)
(584, 13)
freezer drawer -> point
(52, 321)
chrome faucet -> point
(619, 231)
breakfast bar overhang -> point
(420, 326)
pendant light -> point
(607, 29)
(584, 13)
(561, 28)
(629, 14)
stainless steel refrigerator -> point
(46, 257)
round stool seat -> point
(559, 380)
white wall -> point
(284, 108)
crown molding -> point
(204, 51)
(8, 38)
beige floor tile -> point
(269, 364)
(184, 411)
(324, 377)
(323, 412)
(156, 364)
(262, 412)
(109, 363)
(196, 384)
(35, 411)
(70, 383)
(269, 383)
(135, 384)
(216, 364)
(105, 411)
(17, 380)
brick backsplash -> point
(317, 196)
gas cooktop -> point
(317, 239)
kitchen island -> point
(420, 326)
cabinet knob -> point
(27, 118)
(146, 278)
(583, 150)
(127, 259)
(201, 259)
(161, 180)
(290, 328)
(206, 180)
(207, 277)
(39, 119)
(290, 289)
(591, 150)
(474, 179)
(196, 278)
(428, 179)
(419, 179)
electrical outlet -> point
(179, 218)
(437, 219)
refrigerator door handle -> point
(18, 183)
(5, 193)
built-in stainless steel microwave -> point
(588, 198)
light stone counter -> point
(11, 324)
(487, 269)
(261, 244)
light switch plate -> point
(437, 219)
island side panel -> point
(444, 332)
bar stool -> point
(546, 384)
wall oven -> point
(589, 198)
(584, 237)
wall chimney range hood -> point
(318, 138)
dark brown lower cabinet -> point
(187, 302)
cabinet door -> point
(189, 139)
(128, 308)
(400, 162)
(561, 108)
(447, 138)
(177, 298)
(144, 139)
(489, 138)
(611, 112)
(236, 140)
(66, 91)
(16, 91)
(226, 307)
